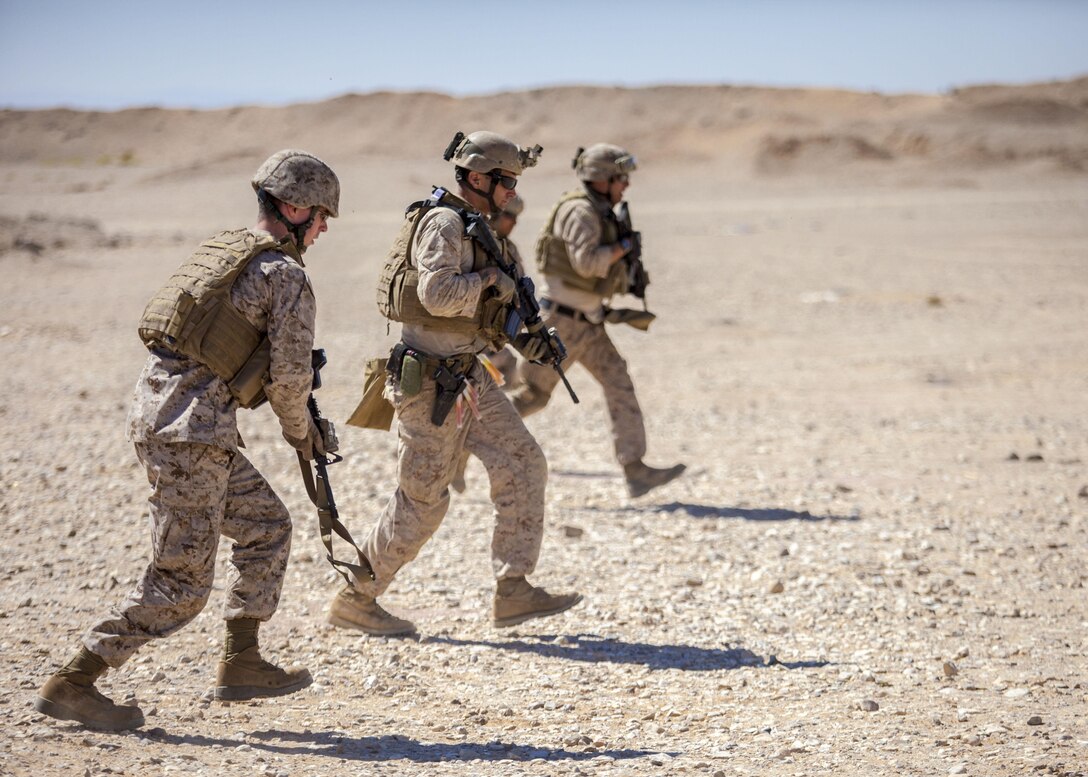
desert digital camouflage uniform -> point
(428, 454)
(233, 326)
(445, 282)
(182, 422)
(579, 225)
(586, 256)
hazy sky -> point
(122, 53)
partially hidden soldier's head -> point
(487, 165)
(506, 219)
(605, 169)
(299, 191)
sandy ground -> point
(870, 351)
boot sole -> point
(514, 620)
(60, 712)
(344, 623)
(246, 692)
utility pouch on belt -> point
(447, 388)
(374, 410)
(411, 375)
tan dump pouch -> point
(639, 319)
(247, 386)
(374, 410)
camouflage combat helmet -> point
(301, 179)
(602, 161)
(488, 153)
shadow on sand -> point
(391, 747)
(721, 511)
(594, 649)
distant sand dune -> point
(748, 130)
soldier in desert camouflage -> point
(454, 301)
(504, 360)
(580, 255)
(233, 327)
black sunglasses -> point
(507, 181)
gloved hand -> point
(505, 287)
(308, 444)
(530, 346)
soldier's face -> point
(321, 224)
(617, 185)
(502, 194)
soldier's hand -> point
(532, 347)
(307, 445)
(505, 287)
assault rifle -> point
(527, 309)
(637, 277)
(320, 491)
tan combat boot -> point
(242, 673)
(642, 479)
(352, 609)
(70, 695)
(517, 601)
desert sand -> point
(870, 351)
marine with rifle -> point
(455, 294)
(587, 253)
(233, 327)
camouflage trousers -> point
(427, 457)
(197, 493)
(589, 345)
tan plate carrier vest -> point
(552, 257)
(194, 316)
(398, 283)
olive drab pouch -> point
(411, 375)
(374, 410)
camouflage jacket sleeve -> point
(579, 226)
(443, 255)
(512, 254)
(279, 287)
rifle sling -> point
(328, 521)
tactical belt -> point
(563, 310)
(458, 365)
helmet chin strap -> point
(489, 195)
(297, 231)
